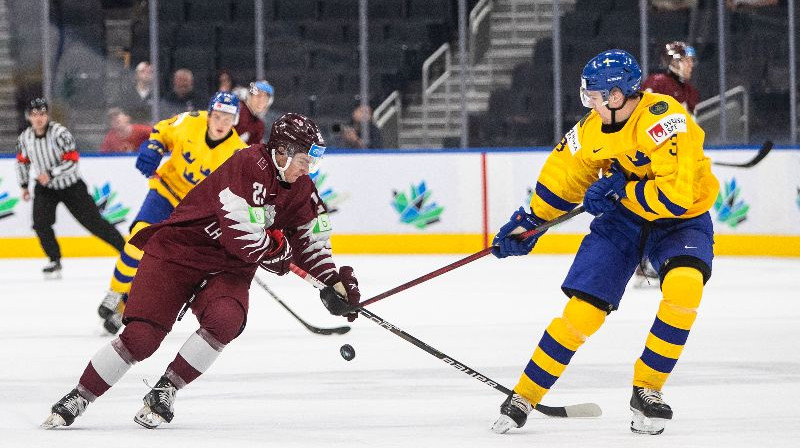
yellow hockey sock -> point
(127, 263)
(682, 290)
(561, 339)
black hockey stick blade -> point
(309, 327)
(765, 149)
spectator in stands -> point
(138, 97)
(123, 136)
(673, 5)
(736, 4)
(225, 81)
(183, 97)
(351, 135)
(678, 60)
(257, 101)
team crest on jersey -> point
(659, 108)
(572, 139)
(665, 127)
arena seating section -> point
(757, 59)
(312, 54)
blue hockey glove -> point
(150, 153)
(506, 244)
(603, 194)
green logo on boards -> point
(416, 208)
(6, 204)
(731, 210)
(113, 212)
(331, 198)
(659, 108)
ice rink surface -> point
(737, 383)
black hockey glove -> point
(341, 294)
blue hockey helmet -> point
(225, 102)
(610, 69)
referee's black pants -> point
(81, 206)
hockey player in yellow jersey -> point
(651, 199)
(198, 143)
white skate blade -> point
(52, 276)
(640, 424)
(147, 418)
(503, 424)
(53, 421)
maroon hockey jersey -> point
(250, 128)
(221, 223)
(669, 84)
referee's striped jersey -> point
(54, 154)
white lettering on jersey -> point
(258, 193)
(572, 139)
(666, 127)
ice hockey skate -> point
(650, 411)
(52, 270)
(513, 414)
(158, 405)
(109, 303)
(66, 410)
(113, 323)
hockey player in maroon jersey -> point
(257, 101)
(679, 60)
(259, 208)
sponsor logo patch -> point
(665, 127)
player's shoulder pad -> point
(573, 137)
(661, 116)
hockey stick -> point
(765, 149)
(309, 327)
(575, 410)
(469, 259)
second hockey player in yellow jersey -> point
(198, 143)
(651, 199)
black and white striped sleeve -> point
(65, 145)
(23, 164)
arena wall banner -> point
(435, 202)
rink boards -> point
(436, 202)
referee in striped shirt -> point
(50, 149)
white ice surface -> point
(737, 383)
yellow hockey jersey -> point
(191, 160)
(660, 150)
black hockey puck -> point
(348, 352)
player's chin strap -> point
(281, 169)
(615, 109)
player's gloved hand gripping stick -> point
(576, 410)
